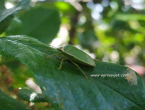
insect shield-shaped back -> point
(77, 55)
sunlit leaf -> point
(127, 17)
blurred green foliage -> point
(111, 30)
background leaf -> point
(8, 103)
(31, 96)
(7, 15)
(5, 23)
(68, 88)
(15, 27)
(2, 4)
(88, 40)
(41, 23)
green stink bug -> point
(75, 55)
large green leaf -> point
(7, 15)
(67, 88)
(41, 23)
(8, 103)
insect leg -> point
(79, 69)
(61, 62)
(50, 55)
(46, 50)
(53, 55)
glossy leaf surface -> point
(67, 88)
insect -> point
(76, 56)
